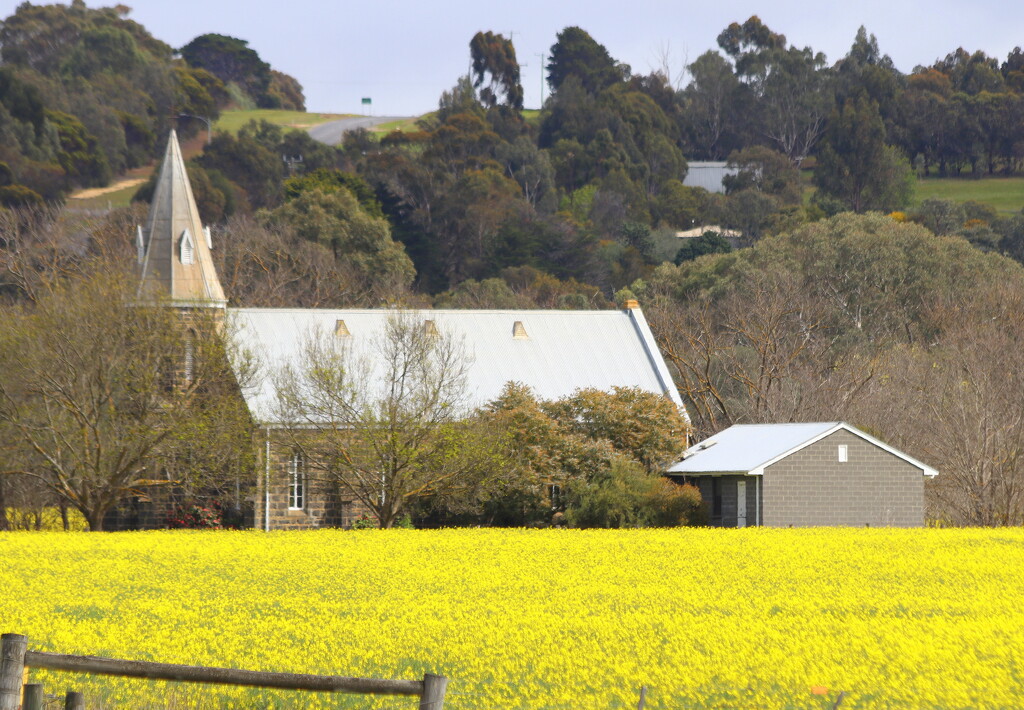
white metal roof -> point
(708, 174)
(750, 448)
(563, 351)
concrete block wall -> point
(874, 487)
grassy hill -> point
(1006, 194)
(231, 121)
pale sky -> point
(403, 53)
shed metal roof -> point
(749, 448)
(563, 350)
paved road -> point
(331, 133)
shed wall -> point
(874, 487)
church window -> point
(296, 482)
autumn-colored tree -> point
(97, 390)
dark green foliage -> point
(19, 196)
(765, 170)
(495, 57)
(707, 243)
(79, 156)
(576, 54)
(248, 164)
(626, 496)
(285, 92)
(332, 181)
(22, 100)
(856, 167)
(89, 93)
(232, 61)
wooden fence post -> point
(33, 698)
(434, 687)
(74, 701)
(12, 668)
(643, 698)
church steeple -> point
(174, 248)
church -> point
(553, 352)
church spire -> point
(174, 248)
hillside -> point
(88, 94)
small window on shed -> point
(843, 454)
(519, 331)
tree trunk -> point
(95, 519)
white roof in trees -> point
(560, 351)
(708, 174)
(750, 448)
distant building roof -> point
(750, 448)
(708, 175)
(701, 231)
(553, 352)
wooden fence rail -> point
(15, 658)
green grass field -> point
(405, 125)
(1006, 194)
(108, 200)
(231, 121)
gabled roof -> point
(750, 448)
(553, 352)
(177, 260)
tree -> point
(390, 424)
(856, 167)
(98, 390)
(337, 221)
(576, 53)
(232, 61)
(605, 450)
(712, 99)
(495, 56)
(791, 87)
(764, 170)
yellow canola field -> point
(753, 618)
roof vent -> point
(519, 331)
(187, 248)
(429, 329)
(341, 330)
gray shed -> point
(708, 175)
(824, 473)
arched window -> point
(296, 482)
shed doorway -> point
(741, 504)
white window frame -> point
(296, 482)
(844, 453)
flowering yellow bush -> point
(753, 618)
